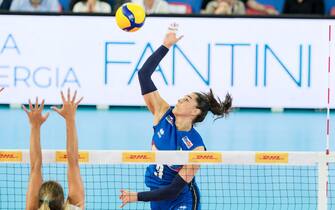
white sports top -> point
(72, 207)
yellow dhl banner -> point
(62, 157)
(10, 156)
(138, 157)
(205, 157)
(271, 157)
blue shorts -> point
(189, 200)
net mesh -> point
(221, 186)
(259, 187)
(331, 185)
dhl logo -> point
(205, 157)
(141, 157)
(138, 157)
(62, 157)
(271, 157)
(9, 156)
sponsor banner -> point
(205, 157)
(271, 157)
(262, 62)
(10, 156)
(62, 157)
(138, 157)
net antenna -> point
(324, 167)
(328, 90)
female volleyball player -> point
(49, 195)
(173, 187)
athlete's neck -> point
(183, 124)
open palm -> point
(35, 113)
(70, 105)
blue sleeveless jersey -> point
(168, 137)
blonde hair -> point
(51, 196)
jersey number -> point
(159, 171)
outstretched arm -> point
(155, 103)
(36, 119)
(1, 89)
(169, 192)
(68, 112)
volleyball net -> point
(226, 180)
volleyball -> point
(130, 17)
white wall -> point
(262, 62)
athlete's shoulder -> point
(168, 117)
(191, 140)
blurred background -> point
(270, 54)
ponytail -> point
(44, 205)
(208, 102)
(217, 107)
(51, 196)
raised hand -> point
(35, 113)
(36, 119)
(171, 37)
(70, 105)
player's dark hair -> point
(207, 102)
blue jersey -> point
(168, 137)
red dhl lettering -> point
(271, 157)
(79, 157)
(205, 157)
(139, 157)
(8, 156)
